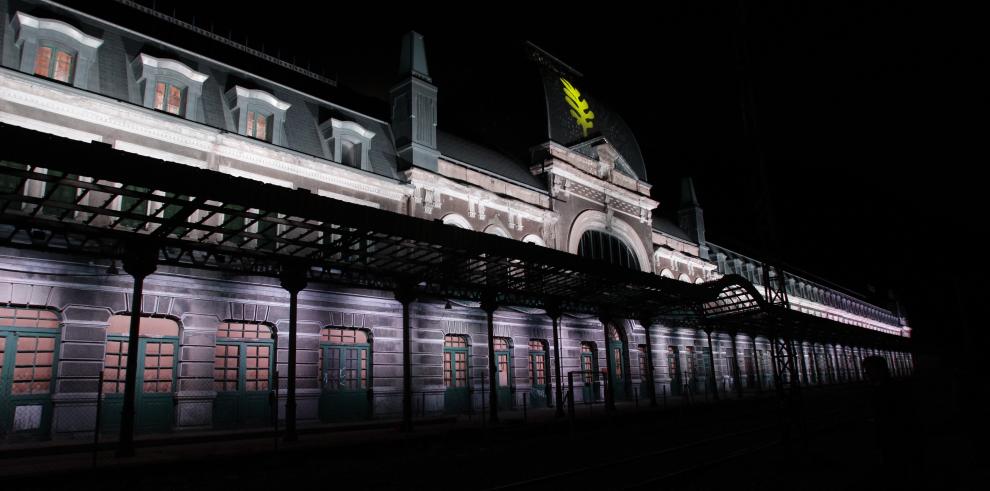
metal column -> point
(139, 262)
(293, 280)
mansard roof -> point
(487, 159)
(121, 46)
(667, 226)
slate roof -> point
(118, 80)
(667, 226)
(487, 159)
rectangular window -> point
(114, 366)
(257, 125)
(225, 367)
(258, 359)
(33, 365)
(643, 368)
(460, 369)
(537, 363)
(503, 369)
(168, 98)
(54, 63)
(159, 360)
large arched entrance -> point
(601, 245)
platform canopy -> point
(67, 196)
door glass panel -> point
(114, 366)
(225, 367)
(158, 364)
(503, 369)
(33, 365)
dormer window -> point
(53, 49)
(257, 114)
(54, 63)
(347, 142)
(170, 86)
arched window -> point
(600, 245)
(457, 399)
(534, 239)
(455, 351)
(457, 221)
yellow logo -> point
(579, 107)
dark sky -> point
(858, 112)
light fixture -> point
(448, 306)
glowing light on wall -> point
(580, 111)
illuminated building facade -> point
(214, 346)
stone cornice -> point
(173, 65)
(423, 179)
(23, 20)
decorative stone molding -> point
(33, 32)
(596, 220)
(150, 70)
(241, 101)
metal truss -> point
(65, 196)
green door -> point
(457, 397)
(674, 370)
(154, 399)
(503, 363)
(344, 382)
(538, 374)
(589, 366)
(242, 377)
(644, 373)
(27, 370)
(617, 373)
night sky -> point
(858, 114)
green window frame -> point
(588, 361)
(345, 356)
(503, 361)
(55, 62)
(29, 345)
(244, 358)
(259, 125)
(455, 361)
(538, 355)
(170, 98)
